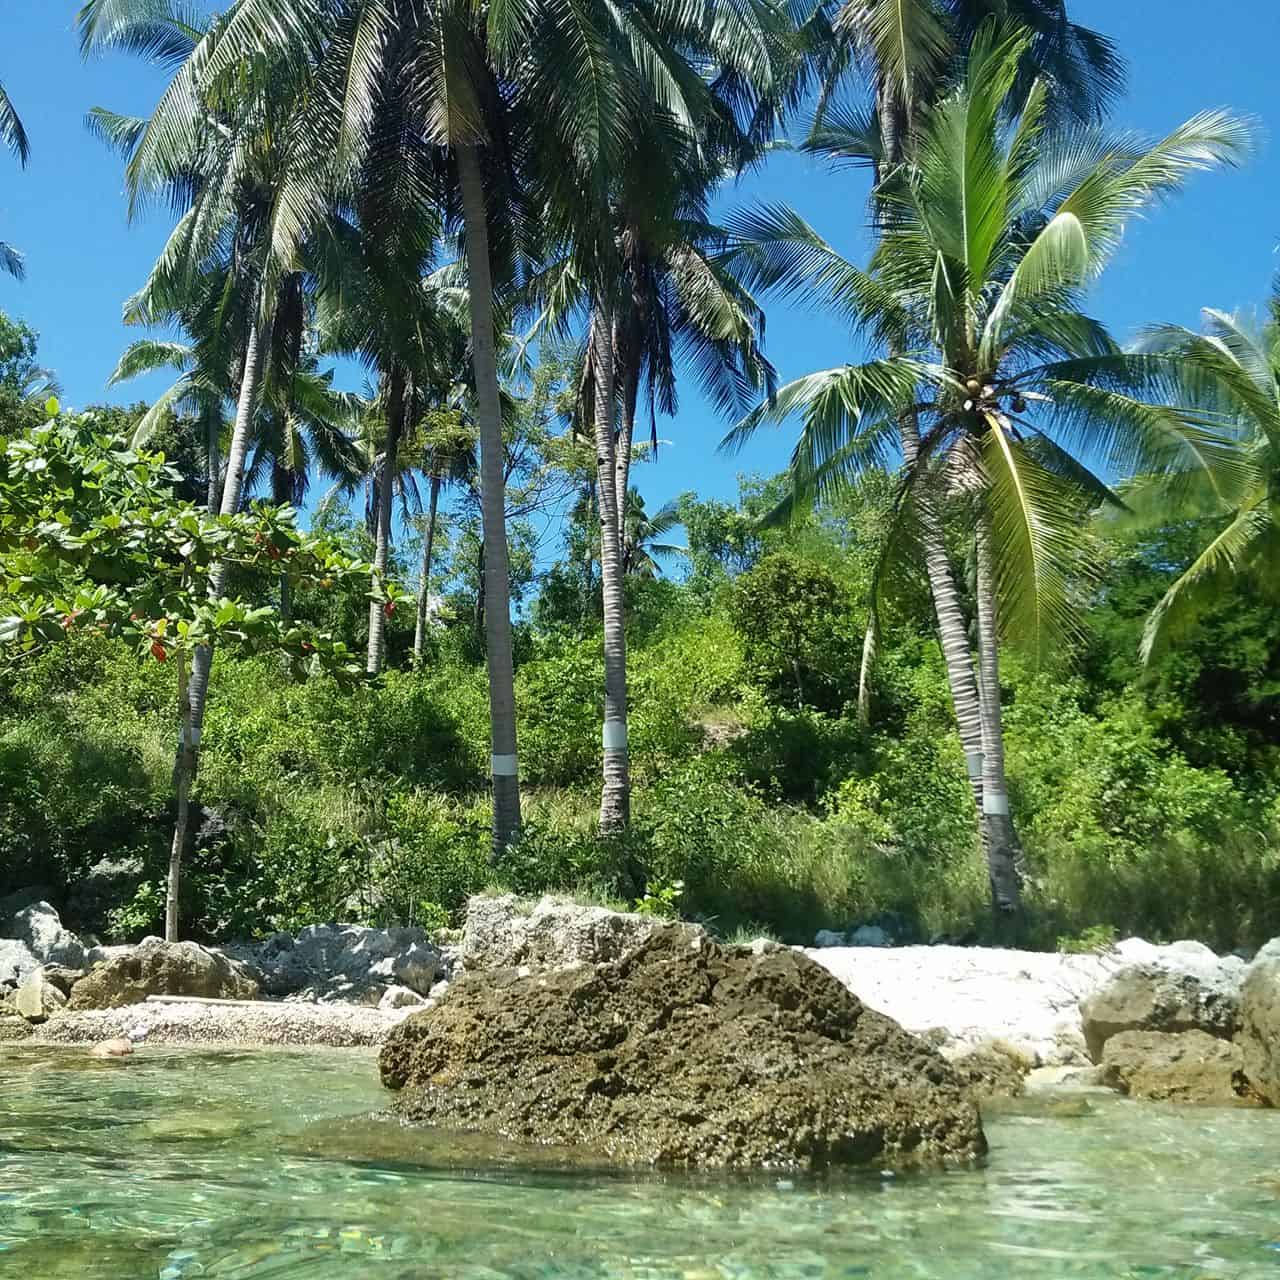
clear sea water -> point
(242, 1166)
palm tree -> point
(518, 100)
(642, 534)
(1231, 370)
(991, 234)
(14, 136)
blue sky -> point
(1215, 246)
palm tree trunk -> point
(183, 769)
(1001, 838)
(615, 797)
(629, 376)
(232, 491)
(286, 599)
(424, 582)
(953, 635)
(382, 527)
(497, 587)
(213, 425)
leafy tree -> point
(93, 538)
(794, 617)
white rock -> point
(40, 928)
(400, 998)
(763, 946)
(37, 998)
(556, 933)
(16, 961)
(828, 938)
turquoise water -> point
(175, 1165)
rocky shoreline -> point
(1172, 1022)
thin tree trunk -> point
(382, 526)
(286, 599)
(213, 427)
(629, 375)
(183, 769)
(424, 582)
(232, 489)
(497, 587)
(1001, 839)
(615, 797)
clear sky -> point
(1215, 246)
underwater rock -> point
(682, 1053)
(162, 968)
(1186, 1066)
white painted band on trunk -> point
(503, 766)
(995, 803)
(973, 761)
(615, 735)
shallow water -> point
(175, 1165)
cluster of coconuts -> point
(980, 392)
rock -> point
(13, 1028)
(828, 938)
(119, 1048)
(40, 928)
(1184, 987)
(1260, 1022)
(330, 962)
(682, 1053)
(1057, 1079)
(763, 946)
(62, 977)
(37, 999)
(16, 962)
(417, 967)
(400, 998)
(340, 990)
(556, 933)
(162, 968)
(870, 935)
(1184, 1066)
(993, 1070)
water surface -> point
(178, 1164)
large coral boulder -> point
(682, 1053)
(162, 968)
(1260, 1022)
(38, 926)
(1186, 1066)
(1182, 987)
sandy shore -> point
(249, 1026)
(1030, 999)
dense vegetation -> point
(993, 640)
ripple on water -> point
(178, 1165)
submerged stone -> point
(682, 1053)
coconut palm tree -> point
(533, 108)
(1231, 369)
(909, 51)
(992, 232)
(13, 136)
